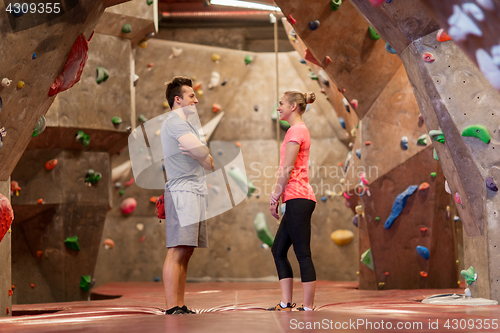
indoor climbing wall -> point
(247, 96)
(63, 180)
(458, 103)
(391, 153)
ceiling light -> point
(244, 4)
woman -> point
(292, 186)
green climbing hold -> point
(85, 282)
(72, 243)
(116, 120)
(469, 275)
(260, 225)
(122, 192)
(422, 140)
(335, 4)
(367, 259)
(437, 135)
(39, 127)
(377, 218)
(477, 131)
(83, 138)
(92, 177)
(433, 174)
(102, 75)
(149, 2)
(248, 59)
(435, 155)
(373, 34)
(143, 118)
(312, 76)
(127, 28)
(243, 181)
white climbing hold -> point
(214, 80)
(495, 53)
(474, 10)
(6, 82)
(446, 187)
(176, 51)
(139, 226)
(461, 25)
(490, 70)
(467, 292)
(323, 76)
(486, 4)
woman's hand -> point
(274, 210)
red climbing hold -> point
(39, 254)
(49, 165)
(32, 285)
(377, 3)
(291, 20)
(368, 143)
(457, 198)
(428, 57)
(327, 60)
(216, 107)
(423, 274)
(309, 57)
(423, 186)
(341, 90)
(8, 311)
(142, 238)
(128, 206)
(386, 273)
(10, 292)
(423, 229)
(442, 36)
(130, 182)
(40, 201)
(6, 216)
(354, 104)
(73, 68)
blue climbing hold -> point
(355, 220)
(398, 205)
(157, 279)
(358, 153)
(342, 122)
(302, 61)
(323, 199)
(313, 25)
(389, 48)
(34, 56)
(404, 142)
(423, 252)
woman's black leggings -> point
(295, 228)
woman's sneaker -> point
(185, 309)
(278, 307)
(301, 308)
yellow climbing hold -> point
(143, 44)
(215, 57)
(20, 84)
(342, 237)
(353, 132)
(200, 93)
(381, 284)
(165, 104)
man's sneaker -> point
(278, 307)
(185, 309)
(175, 310)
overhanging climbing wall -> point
(385, 149)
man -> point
(185, 158)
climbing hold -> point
(92, 177)
(200, 93)
(6, 82)
(302, 61)
(127, 28)
(142, 118)
(491, 184)
(342, 122)
(389, 48)
(376, 3)
(353, 133)
(140, 226)
(486, 4)
(197, 86)
(423, 252)
(448, 212)
(456, 218)
(118, 185)
(116, 120)
(85, 282)
(260, 225)
(128, 206)
(309, 57)
(39, 254)
(136, 79)
(424, 186)
(346, 196)
(469, 275)
(40, 201)
(291, 20)
(242, 180)
(489, 66)
(6, 216)
(399, 204)
(154, 199)
(248, 59)
(437, 135)
(362, 177)
(102, 74)
(354, 104)
(72, 243)
(49, 165)
(434, 154)
(373, 34)
(214, 80)
(474, 10)
(422, 140)
(477, 131)
(109, 244)
(216, 107)
(423, 274)
(215, 57)
(428, 57)
(165, 105)
(39, 127)
(404, 142)
(256, 107)
(377, 218)
(176, 52)
(342, 237)
(224, 81)
(358, 153)
(355, 220)
(359, 210)
(312, 76)
(149, 2)
(20, 84)
(14, 188)
(457, 198)
(423, 229)
(238, 144)
(446, 187)
(335, 4)
(143, 44)
(367, 143)
(367, 259)
(381, 284)
(327, 60)
(73, 68)
(122, 192)
(313, 25)
(433, 174)
(461, 25)
(442, 36)
(467, 292)
(323, 199)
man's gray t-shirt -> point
(183, 172)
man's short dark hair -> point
(174, 88)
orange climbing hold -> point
(368, 143)
(442, 36)
(327, 60)
(216, 107)
(13, 286)
(49, 165)
(423, 186)
(40, 201)
(32, 285)
(109, 243)
(153, 199)
(423, 274)
(39, 254)
(10, 292)
(423, 229)
(14, 188)
(8, 311)
(428, 57)
(341, 164)
(197, 85)
(238, 144)
(341, 90)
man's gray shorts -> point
(183, 212)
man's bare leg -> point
(182, 277)
(172, 272)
